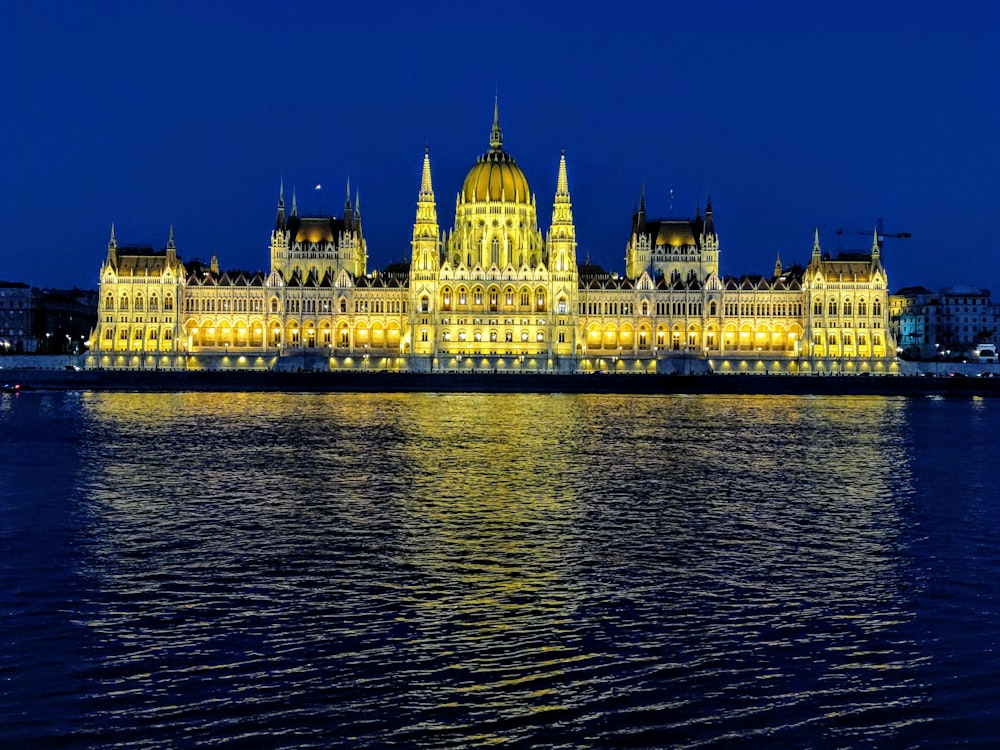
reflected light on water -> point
(467, 569)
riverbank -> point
(478, 382)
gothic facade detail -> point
(494, 292)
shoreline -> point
(475, 382)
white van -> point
(985, 353)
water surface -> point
(316, 570)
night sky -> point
(794, 114)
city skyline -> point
(793, 117)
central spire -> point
(496, 136)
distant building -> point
(45, 321)
(950, 322)
(496, 292)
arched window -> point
(423, 334)
(168, 303)
(832, 307)
(138, 303)
(876, 307)
(425, 303)
(154, 303)
(645, 308)
(343, 305)
(847, 307)
(711, 308)
(109, 302)
(540, 336)
(124, 303)
(818, 307)
(862, 307)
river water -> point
(467, 570)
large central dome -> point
(496, 175)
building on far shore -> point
(495, 292)
(45, 321)
(949, 323)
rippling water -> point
(302, 570)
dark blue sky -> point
(795, 114)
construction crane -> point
(880, 233)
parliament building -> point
(494, 292)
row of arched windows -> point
(137, 303)
(847, 307)
(477, 336)
(492, 299)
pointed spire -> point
(496, 136)
(562, 182)
(279, 222)
(215, 264)
(876, 245)
(709, 221)
(816, 248)
(170, 242)
(777, 266)
(295, 210)
(112, 248)
(347, 203)
(426, 190)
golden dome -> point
(496, 176)
(675, 233)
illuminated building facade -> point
(493, 293)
